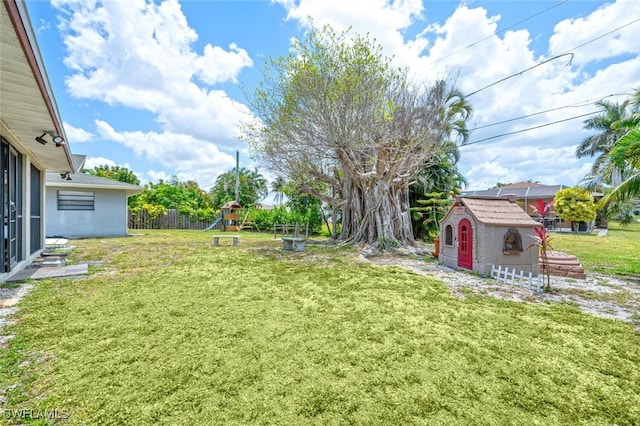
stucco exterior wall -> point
(108, 219)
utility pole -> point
(237, 177)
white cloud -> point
(571, 33)
(155, 176)
(43, 26)
(217, 65)
(76, 134)
(212, 116)
(385, 20)
(508, 162)
(545, 154)
(375, 16)
(139, 54)
(93, 162)
(488, 173)
(191, 158)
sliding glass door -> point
(11, 195)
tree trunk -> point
(377, 214)
(334, 221)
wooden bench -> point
(292, 243)
(216, 239)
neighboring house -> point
(82, 206)
(527, 195)
(478, 232)
(32, 140)
(265, 206)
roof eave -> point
(19, 17)
(71, 184)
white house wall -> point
(108, 219)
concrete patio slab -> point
(55, 241)
(50, 272)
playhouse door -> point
(465, 244)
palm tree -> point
(253, 188)
(619, 163)
(253, 184)
(632, 120)
(443, 174)
(441, 178)
(278, 186)
(454, 113)
(608, 133)
(624, 155)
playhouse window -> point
(448, 235)
(512, 242)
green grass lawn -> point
(170, 330)
(617, 253)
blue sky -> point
(159, 86)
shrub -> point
(265, 219)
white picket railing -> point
(521, 279)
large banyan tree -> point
(338, 119)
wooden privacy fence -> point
(172, 220)
(512, 277)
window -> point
(76, 200)
(512, 242)
(448, 235)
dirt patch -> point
(598, 294)
(10, 295)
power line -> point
(568, 52)
(499, 32)
(527, 116)
(522, 72)
(603, 35)
(578, 105)
(532, 128)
